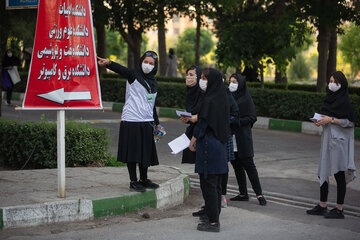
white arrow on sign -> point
(60, 96)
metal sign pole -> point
(61, 152)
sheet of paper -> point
(183, 114)
(179, 144)
(234, 143)
(316, 117)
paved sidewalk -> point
(29, 197)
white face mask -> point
(333, 87)
(147, 68)
(203, 84)
(233, 87)
(9, 55)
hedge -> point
(269, 102)
(293, 105)
(158, 78)
(169, 94)
(20, 87)
(85, 145)
(296, 87)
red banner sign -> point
(63, 72)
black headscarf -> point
(194, 94)
(150, 77)
(215, 107)
(10, 61)
(337, 104)
(243, 98)
(171, 53)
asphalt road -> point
(286, 162)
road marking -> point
(283, 199)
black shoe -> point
(317, 210)
(335, 214)
(199, 213)
(262, 201)
(207, 227)
(149, 184)
(240, 198)
(137, 187)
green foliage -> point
(281, 104)
(113, 162)
(299, 69)
(249, 31)
(350, 47)
(85, 145)
(185, 47)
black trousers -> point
(211, 191)
(132, 172)
(241, 165)
(224, 181)
(341, 188)
(8, 94)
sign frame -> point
(24, 6)
(97, 74)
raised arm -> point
(123, 71)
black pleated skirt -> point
(136, 144)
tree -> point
(327, 16)
(350, 47)
(186, 45)
(132, 18)
(101, 18)
(299, 69)
(165, 11)
(250, 31)
(19, 25)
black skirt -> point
(136, 144)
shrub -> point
(19, 141)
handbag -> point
(14, 75)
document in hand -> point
(183, 114)
(179, 144)
(316, 117)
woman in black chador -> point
(193, 100)
(244, 151)
(209, 141)
(139, 119)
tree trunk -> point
(130, 59)
(134, 48)
(101, 47)
(323, 49)
(162, 41)
(331, 63)
(198, 36)
(261, 67)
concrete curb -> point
(169, 194)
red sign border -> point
(97, 73)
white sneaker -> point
(223, 201)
